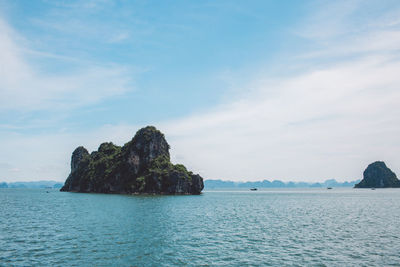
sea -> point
(271, 227)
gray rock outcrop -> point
(378, 175)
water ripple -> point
(264, 228)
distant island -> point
(32, 184)
(378, 175)
(140, 166)
(221, 184)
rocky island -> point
(140, 166)
(377, 175)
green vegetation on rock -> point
(141, 166)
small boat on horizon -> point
(253, 189)
(329, 188)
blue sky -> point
(290, 90)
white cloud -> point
(328, 19)
(24, 87)
(351, 28)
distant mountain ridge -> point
(212, 184)
(33, 184)
(208, 184)
(215, 184)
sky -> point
(242, 90)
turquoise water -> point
(339, 227)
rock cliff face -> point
(141, 166)
(377, 175)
